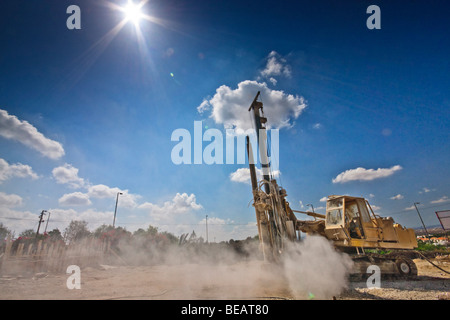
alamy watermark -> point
(211, 147)
(374, 280)
(74, 280)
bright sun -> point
(132, 12)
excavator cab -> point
(347, 217)
(350, 222)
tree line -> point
(77, 230)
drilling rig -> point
(349, 224)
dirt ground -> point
(240, 281)
(431, 284)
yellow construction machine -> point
(349, 222)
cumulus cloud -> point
(10, 200)
(8, 171)
(204, 106)
(22, 131)
(180, 204)
(397, 197)
(67, 174)
(276, 66)
(242, 175)
(230, 106)
(102, 191)
(362, 174)
(75, 199)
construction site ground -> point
(238, 281)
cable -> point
(420, 253)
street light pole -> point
(421, 219)
(115, 210)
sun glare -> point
(132, 12)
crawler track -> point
(390, 267)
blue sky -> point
(88, 113)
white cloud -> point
(362, 174)
(204, 106)
(441, 200)
(18, 221)
(242, 175)
(19, 170)
(230, 107)
(60, 218)
(273, 81)
(426, 190)
(276, 66)
(67, 174)
(102, 191)
(10, 200)
(397, 197)
(317, 126)
(410, 208)
(180, 204)
(215, 221)
(22, 131)
(75, 199)
(323, 199)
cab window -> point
(334, 216)
(334, 212)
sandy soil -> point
(246, 280)
(431, 284)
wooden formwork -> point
(43, 256)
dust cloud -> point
(315, 267)
(310, 269)
(137, 267)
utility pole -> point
(40, 221)
(428, 235)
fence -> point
(26, 257)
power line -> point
(430, 207)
